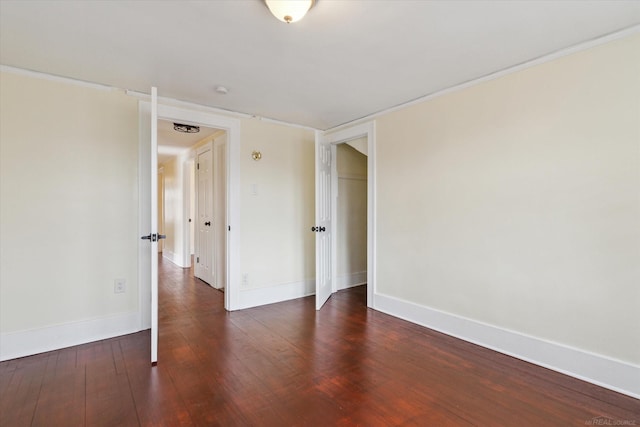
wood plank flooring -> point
(288, 365)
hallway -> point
(286, 364)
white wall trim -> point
(54, 78)
(214, 110)
(55, 337)
(188, 105)
(497, 74)
(601, 370)
(276, 293)
(186, 161)
(280, 122)
(145, 96)
(350, 280)
(171, 256)
(353, 177)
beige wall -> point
(67, 237)
(277, 245)
(68, 202)
(172, 171)
(516, 202)
(351, 215)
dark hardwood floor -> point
(286, 365)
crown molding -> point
(627, 32)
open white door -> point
(323, 228)
(149, 219)
(155, 236)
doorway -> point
(192, 196)
(327, 279)
(197, 117)
(351, 214)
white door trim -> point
(186, 208)
(367, 130)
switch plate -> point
(119, 286)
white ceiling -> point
(345, 60)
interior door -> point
(323, 228)
(154, 225)
(149, 219)
(204, 217)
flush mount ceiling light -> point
(186, 128)
(289, 10)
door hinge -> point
(198, 260)
(229, 228)
(198, 166)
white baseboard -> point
(34, 341)
(170, 256)
(276, 293)
(350, 280)
(594, 368)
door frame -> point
(187, 214)
(335, 182)
(340, 136)
(232, 127)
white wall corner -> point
(594, 368)
(55, 337)
(175, 259)
(346, 281)
(276, 293)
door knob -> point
(312, 229)
(154, 237)
(208, 223)
(321, 229)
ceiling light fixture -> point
(186, 128)
(289, 10)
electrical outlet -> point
(119, 286)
